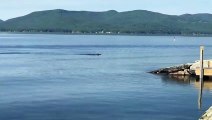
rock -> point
(187, 72)
(178, 73)
(183, 69)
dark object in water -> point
(92, 54)
(15, 53)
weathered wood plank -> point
(207, 71)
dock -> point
(207, 115)
(207, 71)
(207, 67)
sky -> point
(14, 8)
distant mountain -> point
(110, 22)
(1, 20)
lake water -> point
(44, 77)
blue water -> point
(44, 77)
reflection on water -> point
(207, 85)
(187, 80)
(183, 80)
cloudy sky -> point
(14, 8)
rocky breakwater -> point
(187, 69)
(183, 69)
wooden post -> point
(201, 62)
(201, 76)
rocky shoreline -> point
(187, 69)
(183, 69)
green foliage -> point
(132, 22)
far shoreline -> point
(106, 34)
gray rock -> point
(183, 69)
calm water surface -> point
(43, 77)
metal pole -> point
(201, 76)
